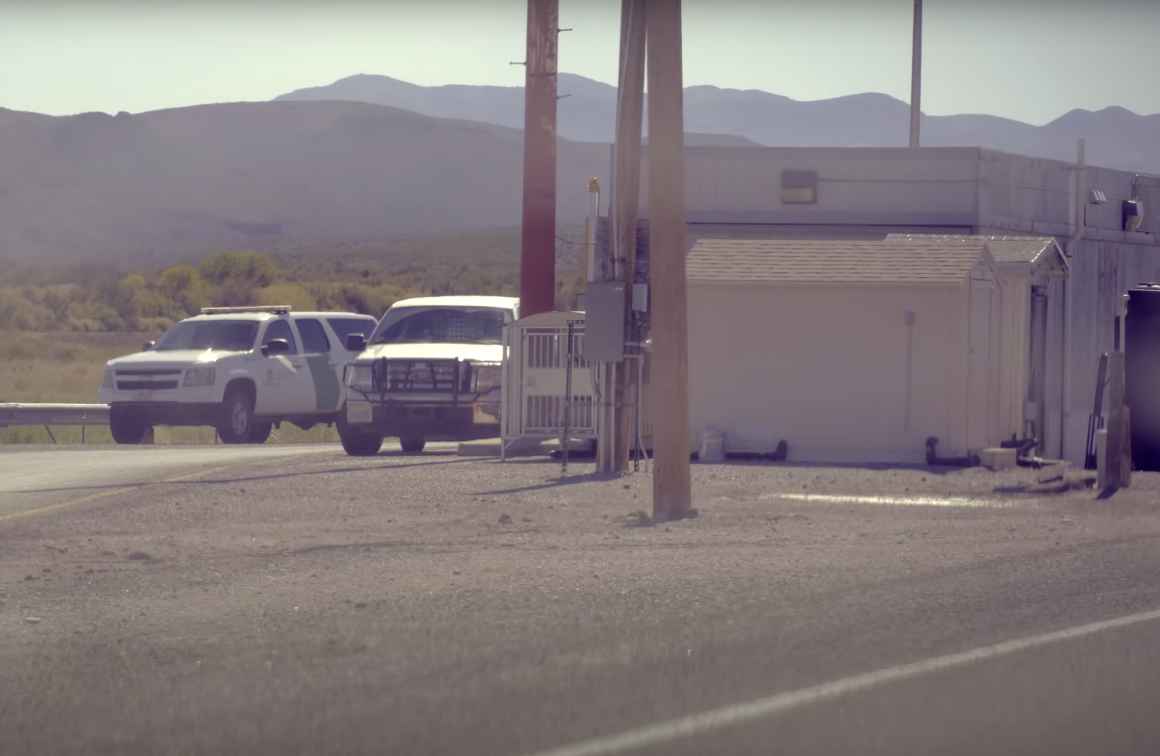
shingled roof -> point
(1028, 250)
(909, 261)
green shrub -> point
(292, 294)
(254, 268)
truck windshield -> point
(226, 335)
(441, 325)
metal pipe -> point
(641, 449)
(916, 75)
(590, 229)
(565, 441)
(1079, 191)
(908, 319)
(623, 213)
(626, 150)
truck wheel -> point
(127, 427)
(260, 432)
(237, 416)
(358, 443)
(412, 444)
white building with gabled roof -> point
(850, 351)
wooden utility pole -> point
(916, 75)
(669, 383)
(626, 194)
(538, 237)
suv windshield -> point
(441, 325)
(226, 335)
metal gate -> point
(548, 386)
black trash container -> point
(1142, 374)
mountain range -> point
(157, 186)
(1116, 137)
(371, 158)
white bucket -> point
(712, 446)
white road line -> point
(904, 500)
(726, 716)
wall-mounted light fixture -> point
(1131, 214)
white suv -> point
(239, 369)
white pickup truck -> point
(239, 369)
(430, 371)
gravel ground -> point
(272, 589)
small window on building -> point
(314, 339)
(799, 187)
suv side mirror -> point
(148, 345)
(356, 342)
(276, 346)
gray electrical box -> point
(640, 297)
(604, 321)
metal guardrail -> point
(24, 413)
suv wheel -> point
(358, 443)
(260, 432)
(412, 444)
(237, 416)
(127, 427)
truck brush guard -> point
(451, 378)
(426, 376)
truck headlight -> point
(359, 377)
(199, 376)
(487, 378)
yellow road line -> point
(113, 492)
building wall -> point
(981, 321)
(1057, 360)
(868, 192)
(825, 368)
(1020, 195)
(1013, 361)
(1013, 344)
(1028, 194)
(868, 186)
(1101, 272)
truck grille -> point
(137, 379)
(138, 385)
(427, 376)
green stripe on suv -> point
(325, 382)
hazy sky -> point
(1026, 59)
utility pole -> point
(916, 75)
(621, 383)
(538, 235)
(669, 385)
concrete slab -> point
(998, 459)
(488, 447)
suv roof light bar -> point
(275, 309)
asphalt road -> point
(34, 477)
(430, 604)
